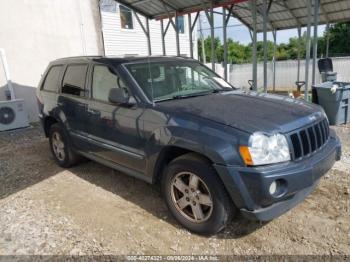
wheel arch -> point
(48, 122)
(171, 152)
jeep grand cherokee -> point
(214, 150)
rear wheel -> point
(196, 196)
(60, 148)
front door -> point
(114, 130)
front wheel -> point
(196, 196)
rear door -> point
(73, 102)
(115, 130)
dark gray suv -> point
(213, 149)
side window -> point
(103, 80)
(74, 80)
(126, 17)
(52, 78)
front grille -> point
(306, 141)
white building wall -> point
(33, 33)
(119, 42)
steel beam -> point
(198, 7)
(210, 18)
(255, 60)
(176, 28)
(308, 47)
(190, 34)
(274, 33)
(190, 31)
(299, 51)
(148, 37)
(314, 48)
(261, 12)
(265, 42)
(145, 31)
(163, 36)
(225, 21)
(285, 5)
(327, 40)
(202, 41)
(224, 35)
(212, 35)
(165, 6)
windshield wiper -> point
(193, 95)
(213, 91)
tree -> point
(237, 53)
(339, 39)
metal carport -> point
(258, 15)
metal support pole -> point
(191, 27)
(308, 47)
(225, 20)
(148, 37)
(299, 51)
(274, 33)
(190, 34)
(224, 34)
(327, 40)
(255, 66)
(212, 36)
(163, 36)
(314, 48)
(177, 34)
(265, 42)
(145, 31)
(202, 41)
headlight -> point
(263, 150)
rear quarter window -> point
(74, 80)
(52, 79)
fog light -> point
(273, 188)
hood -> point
(248, 111)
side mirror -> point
(118, 96)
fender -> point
(219, 147)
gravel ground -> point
(91, 209)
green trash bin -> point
(334, 97)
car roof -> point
(119, 60)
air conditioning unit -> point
(13, 115)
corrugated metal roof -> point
(163, 8)
(283, 14)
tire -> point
(60, 147)
(217, 210)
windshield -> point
(176, 79)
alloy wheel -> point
(191, 197)
(58, 146)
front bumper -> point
(249, 186)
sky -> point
(238, 32)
